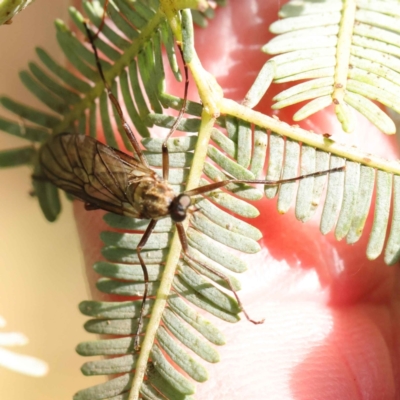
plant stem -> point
(209, 91)
(196, 171)
(343, 49)
(343, 62)
(230, 107)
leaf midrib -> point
(196, 171)
(230, 107)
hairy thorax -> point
(153, 196)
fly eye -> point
(178, 214)
(184, 201)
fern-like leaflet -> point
(9, 9)
(348, 53)
(108, 179)
(232, 154)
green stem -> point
(230, 107)
(343, 62)
(171, 7)
(343, 49)
(164, 291)
(173, 18)
(209, 91)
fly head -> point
(179, 206)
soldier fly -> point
(109, 179)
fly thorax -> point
(154, 197)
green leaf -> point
(9, 8)
(17, 157)
(323, 43)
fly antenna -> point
(220, 184)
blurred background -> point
(41, 266)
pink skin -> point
(331, 316)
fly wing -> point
(92, 172)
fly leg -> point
(91, 207)
(113, 99)
(139, 248)
(103, 20)
(164, 148)
(39, 178)
(185, 249)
